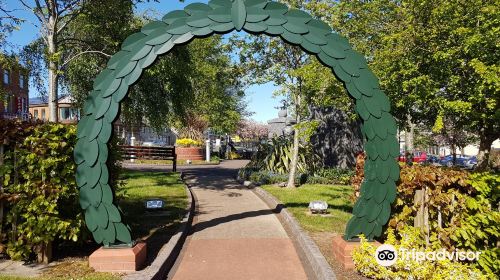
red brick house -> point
(14, 101)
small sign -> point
(155, 204)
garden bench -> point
(150, 153)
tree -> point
(433, 58)
(54, 17)
(8, 23)
(60, 43)
(268, 59)
(101, 27)
(249, 129)
(194, 80)
(194, 84)
(302, 79)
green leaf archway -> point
(140, 50)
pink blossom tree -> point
(252, 130)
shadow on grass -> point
(157, 227)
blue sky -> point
(259, 97)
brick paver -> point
(235, 234)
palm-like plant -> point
(276, 156)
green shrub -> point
(477, 226)
(265, 177)
(260, 177)
(410, 238)
(323, 176)
(245, 172)
(331, 176)
(461, 211)
(276, 157)
(39, 180)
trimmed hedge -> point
(39, 194)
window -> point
(21, 81)
(8, 104)
(35, 114)
(43, 114)
(24, 103)
(6, 77)
(66, 114)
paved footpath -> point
(235, 234)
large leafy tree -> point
(8, 22)
(193, 81)
(194, 84)
(60, 42)
(270, 60)
(100, 28)
(302, 80)
(437, 60)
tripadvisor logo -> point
(386, 255)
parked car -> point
(470, 163)
(418, 156)
(448, 160)
(432, 159)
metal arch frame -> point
(140, 50)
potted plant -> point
(189, 149)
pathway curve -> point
(235, 235)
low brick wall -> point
(192, 153)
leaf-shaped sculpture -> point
(198, 20)
(238, 14)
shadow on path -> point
(217, 221)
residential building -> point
(14, 91)
(67, 112)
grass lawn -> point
(157, 227)
(297, 202)
(140, 186)
(74, 269)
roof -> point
(38, 101)
(65, 99)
